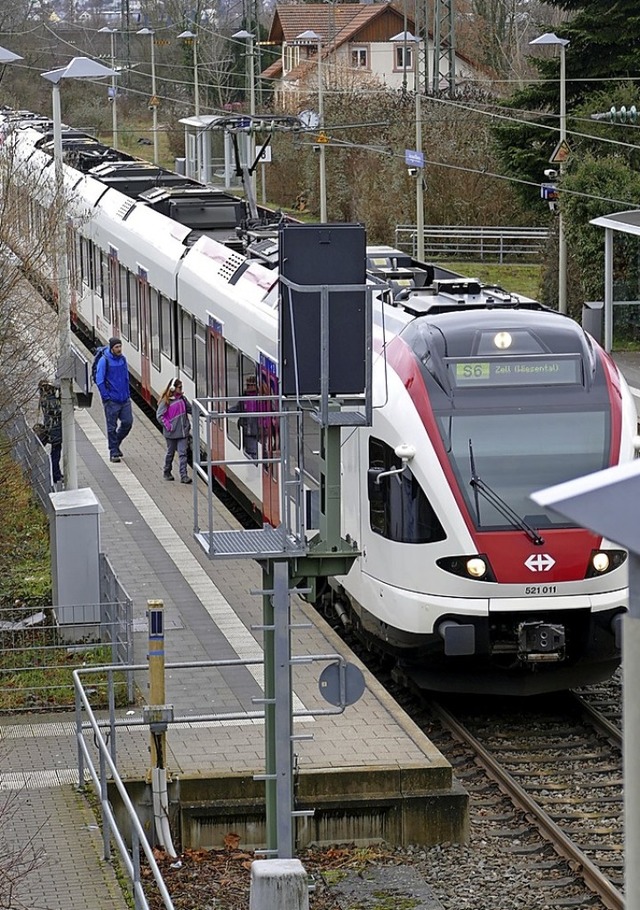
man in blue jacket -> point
(112, 379)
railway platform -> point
(370, 773)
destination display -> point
(502, 371)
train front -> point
(483, 590)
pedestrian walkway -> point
(372, 752)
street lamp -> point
(78, 68)
(8, 56)
(310, 37)
(551, 38)
(114, 112)
(153, 104)
(406, 38)
(244, 35)
(191, 37)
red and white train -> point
(480, 398)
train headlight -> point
(603, 561)
(503, 340)
(476, 567)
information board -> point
(561, 369)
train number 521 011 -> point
(541, 589)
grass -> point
(519, 279)
(35, 666)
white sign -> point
(265, 155)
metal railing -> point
(474, 242)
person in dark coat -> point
(52, 422)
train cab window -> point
(186, 343)
(154, 307)
(166, 326)
(398, 507)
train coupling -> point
(540, 642)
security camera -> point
(551, 174)
(412, 171)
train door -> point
(269, 436)
(142, 290)
(217, 388)
(114, 291)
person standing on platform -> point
(173, 415)
(112, 379)
(52, 424)
(248, 423)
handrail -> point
(482, 240)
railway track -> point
(544, 778)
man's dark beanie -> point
(113, 342)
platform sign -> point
(413, 158)
(341, 684)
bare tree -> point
(19, 857)
(27, 230)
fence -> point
(37, 654)
(28, 452)
(472, 242)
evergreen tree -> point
(604, 45)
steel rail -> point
(595, 880)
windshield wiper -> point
(495, 500)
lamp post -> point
(546, 39)
(192, 38)
(406, 38)
(114, 107)
(154, 98)
(244, 35)
(310, 37)
(78, 68)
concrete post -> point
(278, 883)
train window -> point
(186, 342)
(398, 507)
(87, 263)
(97, 271)
(233, 389)
(166, 326)
(155, 328)
(105, 285)
(200, 360)
(134, 309)
(114, 293)
(125, 326)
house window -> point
(359, 58)
(404, 57)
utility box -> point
(75, 556)
(592, 318)
(323, 254)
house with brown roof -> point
(356, 48)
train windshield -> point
(517, 454)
